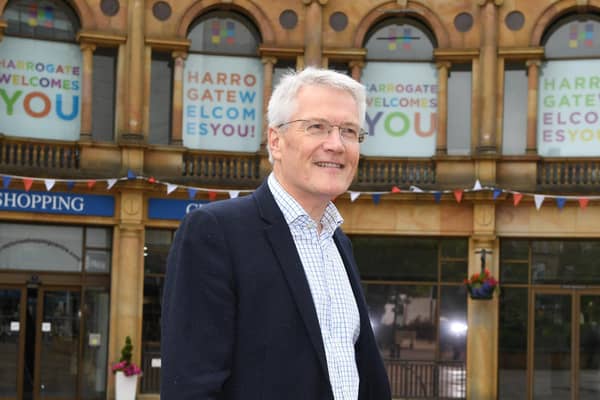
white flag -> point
(49, 183)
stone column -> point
(533, 69)
(441, 147)
(488, 76)
(87, 84)
(128, 275)
(268, 65)
(313, 32)
(482, 338)
(135, 72)
(177, 124)
(3, 26)
(356, 68)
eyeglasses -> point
(321, 128)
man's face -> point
(313, 169)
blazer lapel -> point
(282, 243)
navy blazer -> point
(238, 319)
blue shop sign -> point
(57, 203)
(172, 208)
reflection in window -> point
(104, 94)
(512, 344)
(44, 19)
(514, 122)
(459, 110)
(573, 36)
(400, 39)
(224, 33)
(161, 93)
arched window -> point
(401, 82)
(40, 71)
(46, 19)
(223, 84)
(568, 116)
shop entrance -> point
(49, 349)
(566, 355)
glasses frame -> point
(362, 134)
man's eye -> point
(349, 132)
(316, 127)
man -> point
(262, 296)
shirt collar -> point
(295, 214)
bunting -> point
(212, 193)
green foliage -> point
(127, 351)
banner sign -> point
(222, 105)
(401, 109)
(569, 108)
(57, 203)
(40, 89)
(172, 208)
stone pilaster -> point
(441, 147)
(268, 65)
(135, 68)
(356, 68)
(313, 32)
(87, 84)
(177, 124)
(533, 71)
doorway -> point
(566, 345)
(49, 349)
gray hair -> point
(282, 104)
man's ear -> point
(274, 143)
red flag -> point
(91, 183)
(458, 193)
(396, 189)
(27, 182)
(517, 198)
(151, 180)
(212, 196)
(583, 202)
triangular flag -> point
(560, 202)
(131, 174)
(91, 183)
(354, 196)
(416, 189)
(27, 182)
(539, 199)
(151, 180)
(171, 188)
(497, 193)
(396, 189)
(376, 198)
(49, 183)
(477, 185)
(70, 185)
(212, 196)
(110, 183)
(6, 181)
(234, 194)
(437, 196)
(458, 194)
(192, 193)
(517, 198)
(583, 202)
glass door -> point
(58, 343)
(11, 321)
(566, 346)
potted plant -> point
(481, 286)
(126, 373)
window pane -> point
(161, 94)
(512, 344)
(98, 237)
(151, 333)
(40, 247)
(455, 248)
(565, 262)
(453, 323)
(455, 271)
(514, 272)
(514, 250)
(381, 257)
(97, 261)
(573, 36)
(95, 348)
(224, 33)
(103, 94)
(459, 111)
(281, 68)
(403, 320)
(400, 39)
(514, 134)
(41, 20)
(156, 250)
